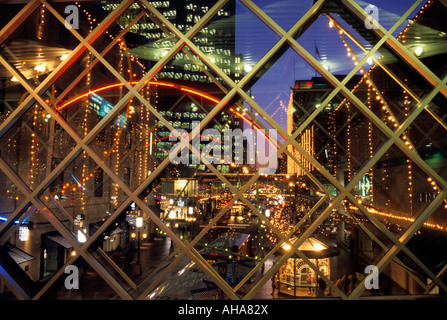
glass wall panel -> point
(222, 149)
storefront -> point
(296, 277)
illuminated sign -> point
(365, 185)
(102, 107)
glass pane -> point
(241, 144)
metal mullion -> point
(414, 156)
(83, 145)
(161, 18)
(379, 225)
(94, 62)
(116, 268)
(409, 233)
(240, 196)
(54, 278)
(234, 189)
(439, 276)
(287, 37)
(373, 118)
(231, 186)
(273, 123)
(426, 134)
(282, 241)
(62, 209)
(12, 285)
(36, 202)
(110, 68)
(87, 44)
(321, 274)
(385, 248)
(264, 18)
(186, 38)
(327, 75)
(49, 179)
(190, 245)
(306, 234)
(61, 68)
(383, 67)
(204, 231)
(152, 215)
(127, 202)
(319, 126)
(105, 275)
(196, 28)
(92, 37)
(59, 226)
(345, 191)
(377, 61)
(396, 46)
(204, 70)
(434, 115)
(6, 227)
(259, 214)
(172, 28)
(38, 99)
(348, 78)
(308, 173)
(283, 148)
(395, 139)
(16, 114)
(217, 70)
(18, 19)
(166, 269)
(274, 26)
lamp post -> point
(138, 225)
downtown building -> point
(343, 140)
(85, 176)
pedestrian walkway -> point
(181, 281)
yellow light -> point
(418, 51)
(40, 68)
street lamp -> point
(267, 213)
(138, 224)
(81, 236)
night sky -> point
(254, 39)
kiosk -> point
(296, 277)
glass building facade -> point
(223, 149)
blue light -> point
(15, 222)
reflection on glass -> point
(187, 186)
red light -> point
(155, 83)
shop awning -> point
(60, 240)
(313, 249)
(18, 255)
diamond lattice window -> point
(229, 149)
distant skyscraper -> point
(216, 39)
